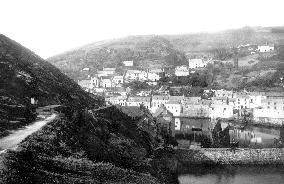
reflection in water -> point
(248, 136)
(232, 175)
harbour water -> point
(263, 174)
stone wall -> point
(229, 156)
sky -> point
(50, 27)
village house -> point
(255, 99)
(220, 111)
(142, 76)
(138, 101)
(117, 80)
(177, 123)
(153, 76)
(86, 84)
(86, 69)
(271, 111)
(220, 100)
(120, 90)
(174, 107)
(155, 70)
(165, 119)
(185, 125)
(106, 72)
(158, 100)
(117, 100)
(191, 100)
(152, 83)
(246, 101)
(195, 110)
(265, 48)
(132, 75)
(99, 90)
(196, 63)
(223, 93)
(95, 82)
(128, 63)
(181, 70)
(106, 81)
(144, 93)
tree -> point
(225, 137)
(216, 134)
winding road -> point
(12, 140)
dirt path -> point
(12, 140)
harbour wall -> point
(229, 156)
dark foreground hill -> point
(24, 75)
(87, 143)
(95, 146)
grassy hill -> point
(172, 50)
(145, 51)
(24, 75)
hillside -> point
(145, 51)
(24, 75)
(161, 51)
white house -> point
(220, 111)
(181, 70)
(158, 100)
(142, 76)
(86, 69)
(153, 76)
(137, 101)
(155, 70)
(132, 74)
(95, 82)
(106, 72)
(127, 63)
(174, 107)
(223, 93)
(117, 80)
(177, 124)
(271, 111)
(106, 82)
(265, 48)
(117, 100)
(196, 63)
(86, 84)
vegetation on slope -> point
(145, 51)
(104, 146)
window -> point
(268, 107)
(274, 103)
(268, 103)
(275, 108)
